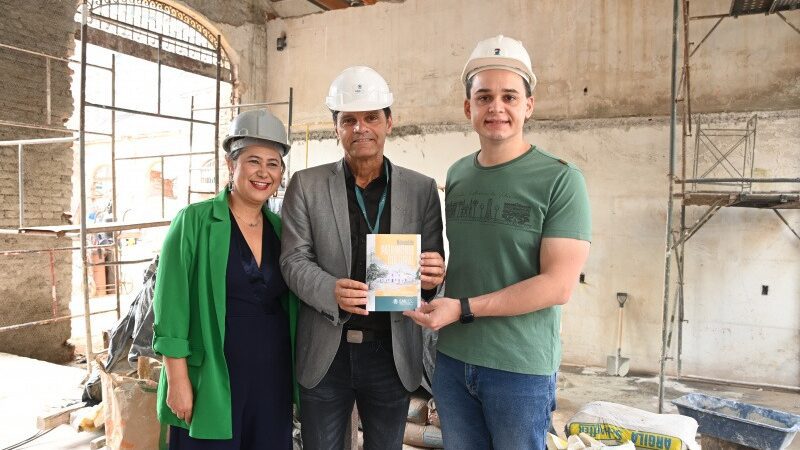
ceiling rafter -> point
(292, 8)
(330, 4)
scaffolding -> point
(106, 20)
(729, 151)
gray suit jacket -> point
(316, 251)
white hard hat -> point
(499, 52)
(257, 124)
(358, 88)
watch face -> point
(466, 318)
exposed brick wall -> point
(44, 26)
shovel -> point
(616, 364)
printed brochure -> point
(393, 272)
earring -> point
(230, 181)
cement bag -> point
(583, 441)
(433, 414)
(417, 411)
(612, 423)
(131, 421)
(427, 436)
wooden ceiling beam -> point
(330, 4)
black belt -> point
(354, 336)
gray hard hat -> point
(256, 124)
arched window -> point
(157, 25)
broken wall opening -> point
(150, 122)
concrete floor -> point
(32, 387)
(580, 385)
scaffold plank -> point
(768, 200)
(63, 230)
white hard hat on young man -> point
(358, 88)
(500, 52)
(253, 128)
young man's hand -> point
(436, 314)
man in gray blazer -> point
(344, 354)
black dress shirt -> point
(377, 321)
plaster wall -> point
(730, 324)
(593, 59)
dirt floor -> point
(32, 387)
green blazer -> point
(189, 307)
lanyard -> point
(381, 203)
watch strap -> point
(466, 312)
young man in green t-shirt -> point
(519, 226)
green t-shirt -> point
(496, 219)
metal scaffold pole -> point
(670, 177)
(114, 208)
(82, 145)
(216, 114)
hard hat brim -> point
(229, 142)
(365, 104)
(247, 141)
(478, 65)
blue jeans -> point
(482, 408)
(364, 374)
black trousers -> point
(363, 374)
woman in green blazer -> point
(224, 319)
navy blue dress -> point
(257, 351)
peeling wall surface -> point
(25, 287)
(618, 51)
(617, 131)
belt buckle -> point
(355, 336)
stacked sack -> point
(423, 429)
(612, 423)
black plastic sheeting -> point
(132, 337)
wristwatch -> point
(466, 314)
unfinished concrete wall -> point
(25, 287)
(593, 59)
(619, 51)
